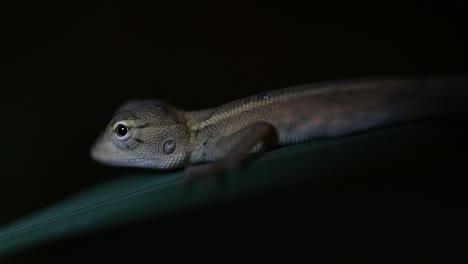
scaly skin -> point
(161, 136)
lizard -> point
(154, 134)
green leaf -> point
(155, 194)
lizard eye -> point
(121, 130)
(169, 146)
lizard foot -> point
(242, 141)
(214, 170)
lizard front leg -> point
(235, 147)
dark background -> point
(67, 65)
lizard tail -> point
(377, 103)
(444, 96)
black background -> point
(67, 65)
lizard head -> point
(144, 133)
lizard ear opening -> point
(169, 147)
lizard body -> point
(154, 134)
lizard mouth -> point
(98, 153)
(105, 152)
(105, 155)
